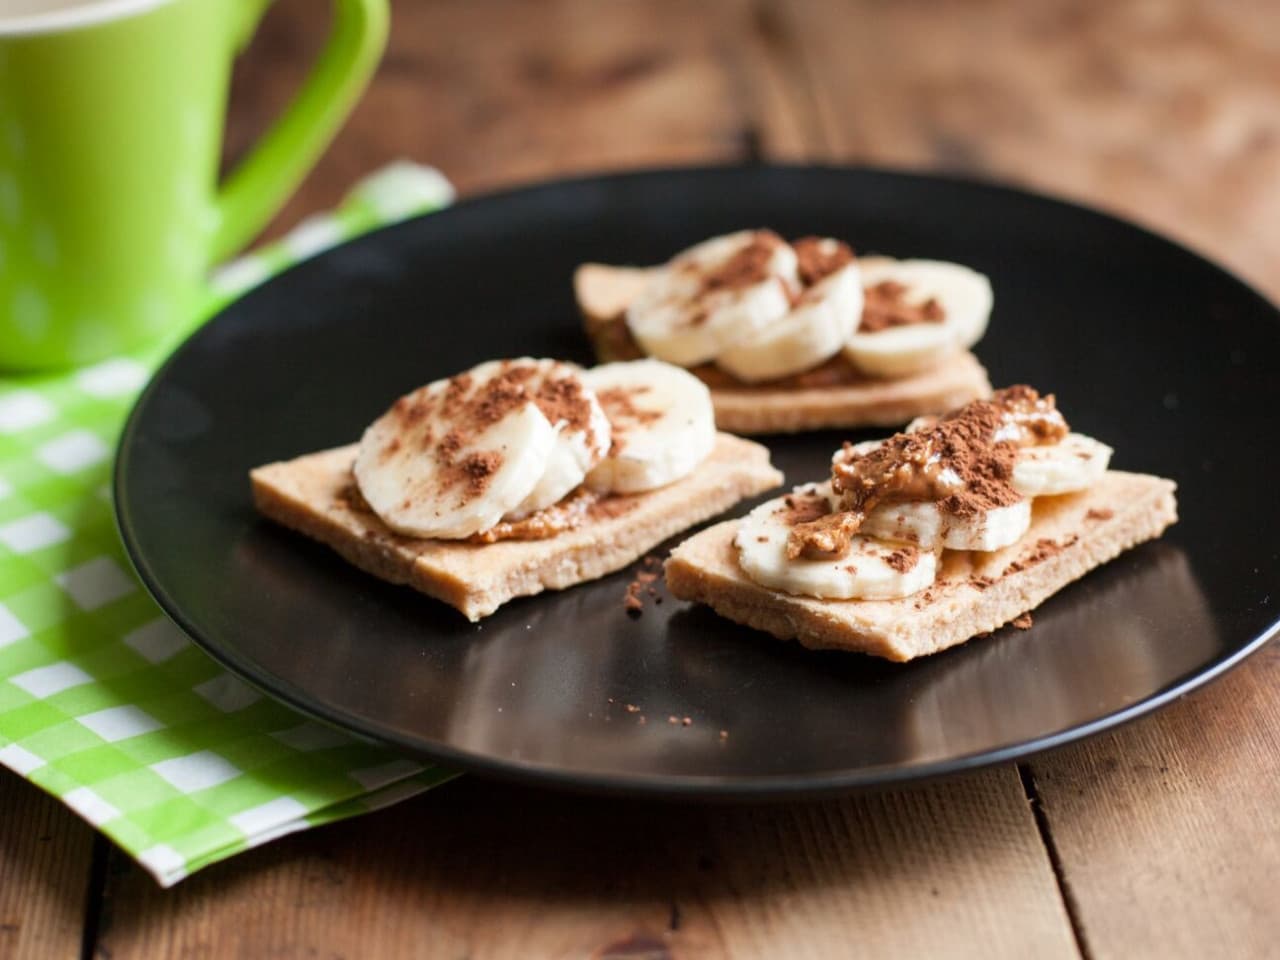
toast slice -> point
(974, 592)
(838, 396)
(314, 496)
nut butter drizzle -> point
(963, 461)
(569, 514)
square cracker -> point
(312, 496)
(974, 593)
(603, 293)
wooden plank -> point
(1167, 830)
(492, 871)
(1164, 112)
(507, 90)
(45, 857)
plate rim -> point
(666, 786)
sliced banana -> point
(929, 527)
(926, 524)
(663, 424)
(871, 569)
(452, 458)
(812, 332)
(582, 433)
(1076, 462)
(965, 298)
(712, 296)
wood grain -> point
(507, 90)
(1167, 830)
(490, 871)
(45, 857)
(1162, 110)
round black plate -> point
(1149, 347)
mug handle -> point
(258, 187)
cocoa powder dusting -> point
(904, 559)
(390, 450)
(413, 408)
(963, 462)
(748, 266)
(502, 394)
(618, 404)
(564, 400)
(818, 258)
(641, 584)
(885, 305)
(1043, 549)
(455, 393)
(476, 469)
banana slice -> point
(452, 458)
(663, 424)
(925, 524)
(1076, 462)
(582, 433)
(963, 295)
(812, 332)
(870, 570)
(713, 295)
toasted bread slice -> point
(313, 495)
(850, 400)
(974, 592)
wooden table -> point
(1159, 840)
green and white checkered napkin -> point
(104, 703)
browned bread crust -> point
(974, 592)
(312, 495)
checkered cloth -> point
(104, 703)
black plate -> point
(1149, 347)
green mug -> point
(111, 115)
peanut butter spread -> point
(962, 461)
(885, 305)
(571, 512)
(578, 508)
